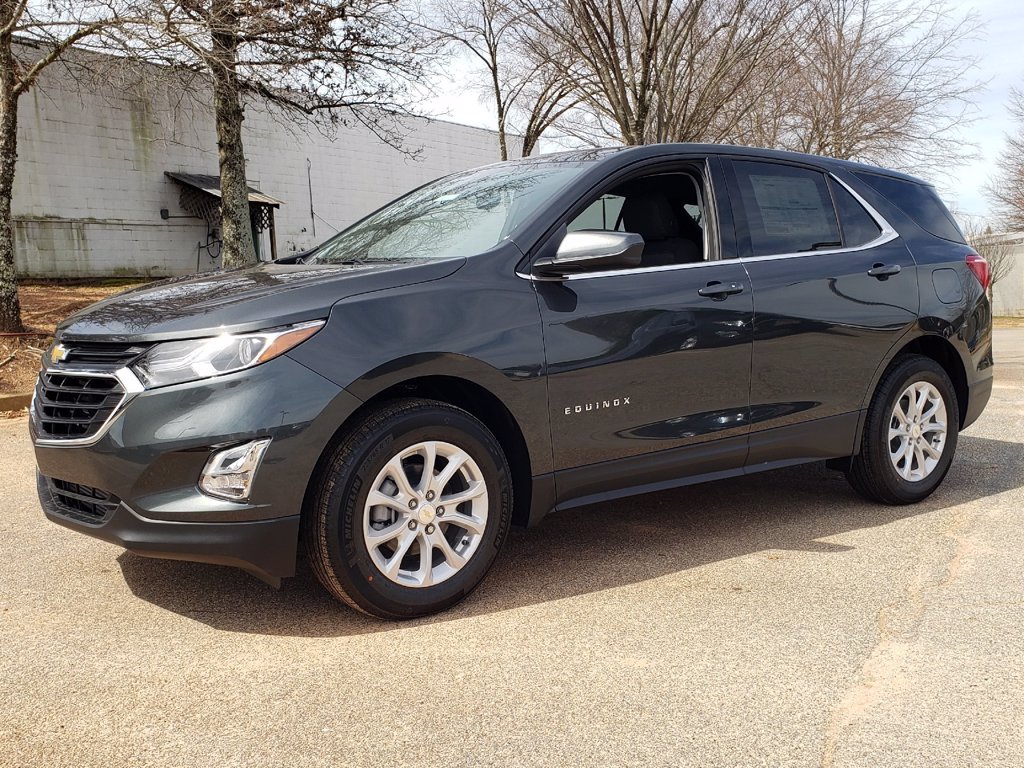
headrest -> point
(678, 187)
(650, 216)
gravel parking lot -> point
(775, 620)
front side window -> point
(788, 209)
(665, 209)
(460, 215)
(602, 214)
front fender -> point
(481, 324)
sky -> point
(1000, 66)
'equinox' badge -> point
(599, 405)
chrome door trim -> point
(886, 235)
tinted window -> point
(664, 209)
(601, 214)
(788, 209)
(920, 203)
(857, 225)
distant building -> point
(110, 176)
(1008, 292)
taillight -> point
(979, 267)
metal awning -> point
(211, 186)
(200, 197)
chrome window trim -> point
(887, 234)
(125, 377)
(617, 272)
(706, 245)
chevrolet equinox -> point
(515, 339)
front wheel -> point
(910, 434)
(410, 511)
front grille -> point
(81, 502)
(99, 355)
(71, 406)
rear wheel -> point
(410, 511)
(910, 434)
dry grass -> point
(43, 305)
(1009, 322)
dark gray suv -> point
(515, 339)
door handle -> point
(718, 290)
(884, 271)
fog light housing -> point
(229, 473)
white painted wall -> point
(90, 177)
(1008, 292)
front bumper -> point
(264, 548)
(147, 465)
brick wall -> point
(90, 178)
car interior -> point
(665, 210)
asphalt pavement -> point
(776, 620)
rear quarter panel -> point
(954, 306)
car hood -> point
(239, 300)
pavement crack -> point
(897, 624)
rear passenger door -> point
(834, 289)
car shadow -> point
(592, 548)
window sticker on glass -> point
(789, 205)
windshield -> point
(459, 215)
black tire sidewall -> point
(913, 370)
(345, 499)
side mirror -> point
(591, 251)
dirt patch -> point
(1009, 322)
(43, 305)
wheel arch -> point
(945, 354)
(488, 408)
(933, 346)
(471, 397)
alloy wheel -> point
(917, 431)
(425, 514)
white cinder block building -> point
(1008, 292)
(91, 178)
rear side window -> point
(788, 209)
(857, 225)
(919, 202)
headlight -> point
(176, 361)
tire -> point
(371, 555)
(886, 470)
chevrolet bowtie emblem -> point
(58, 353)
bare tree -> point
(529, 91)
(1006, 189)
(657, 70)
(545, 97)
(882, 82)
(998, 249)
(31, 40)
(342, 61)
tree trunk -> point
(10, 306)
(500, 104)
(236, 228)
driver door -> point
(649, 367)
